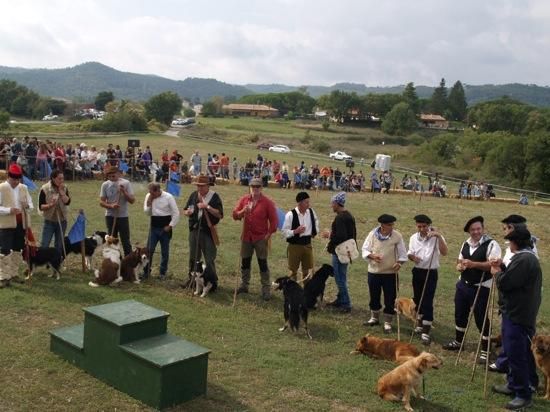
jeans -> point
(340, 277)
(159, 235)
(51, 229)
(122, 231)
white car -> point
(50, 117)
(340, 156)
(279, 148)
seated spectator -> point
(523, 199)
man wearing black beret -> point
(385, 251)
(300, 226)
(425, 247)
(475, 271)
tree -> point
(457, 102)
(439, 101)
(500, 115)
(102, 99)
(4, 120)
(400, 120)
(380, 104)
(410, 97)
(188, 112)
(163, 107)
(338, 104)
(208, 109)
(507, 159)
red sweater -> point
(260, 222)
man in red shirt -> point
(260, 222)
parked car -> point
(183, 122)
(338, 155)
(279, 148)
(50, 117)
(264, 145)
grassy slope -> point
(252, 366)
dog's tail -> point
(294, 320)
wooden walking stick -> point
(425, 283)
(481, 333)
(27, 246)
(492, 298)
(397, 296)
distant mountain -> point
(85, 81)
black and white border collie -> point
(49, 257)
(205, 280)
(314, 289)
(294, 305)
(91, 243)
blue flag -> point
(123, 166)
(173, 188)
(78, 231)
(281, 216)
(29, 183)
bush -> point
(254, 138)
(326, 125)
(416, 139)
(307, 137)
(320, 146)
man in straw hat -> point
(14, 201)
(425, 247)
(300, 226)
(475, 273)
(259, 222)
(204, 209)
(115, 195)
(385, 251)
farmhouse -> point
(257, 110)
(434, 120)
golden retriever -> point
(388, 349)
(406, 307)
(541, 351)
(404, 380)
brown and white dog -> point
(404, 381)
(541, 351)
(134, 264)
(388, 349)
(110, 266)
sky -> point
(294, 42)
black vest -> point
(302, 240)
(479, 255)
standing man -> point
(300, 226)
(342, 229)
(52, 202)
(519, 296)
(164, 212)
(14, 203)
(425, 247)
(115, 194)
(475, 271)
(260, 222)
(204, 209)
(196, 161)
(385, 251)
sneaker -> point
(418, 330)
(503, 389)
(387, 328)
(494, 368)
(372, 322)
(426, 339)
(242, 289)
(482, 360)
(517, 404)
(452, 345)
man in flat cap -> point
(300, 226)
(14, 203)
(385, 251)
(342, 229)
(259, 222)
(425, 247)
(519, 297)
(115, 195)
(475, 271)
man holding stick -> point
(474, 283)
(204, 209)
(164, 212)
(425, 247)
(115, 195)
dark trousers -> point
(159, 235)
(201, 243)
(12, 239)
(382, 282)
(464, 299)
(122, 231)
(418, 280)
(522, 370)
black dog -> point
(90, 245)
(44, 256)
(294, 306)
(314, 289)
(201, 279)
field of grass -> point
(252, 365)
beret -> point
(422, 219)
(386, 218)
(472, 221)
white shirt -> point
(423, 247)
(493, 251)
(15, 193)
(164, 205)
(304, 219)
(508, 254)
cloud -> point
(292, 42)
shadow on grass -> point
(217, 399)
(427, 406)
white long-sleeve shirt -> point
(164, 205)
(7, 210)
(304, 219)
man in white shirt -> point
(425, 247)
(300, 226)
(164, 212)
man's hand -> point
(167, 228)
(495, 270)
(114, 206)
(459, 266)
(396, 266)
(468, 264)
(376, 257)
(299, 230)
